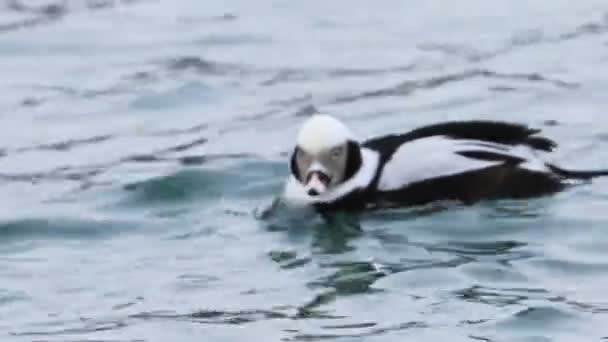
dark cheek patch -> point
(294, 165)
(353, 161)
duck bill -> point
(317, 183)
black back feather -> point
(492, 156)
(489, 131)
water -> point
(143, 142)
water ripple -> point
(64, 228)
(408, 87)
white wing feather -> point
(437, 156)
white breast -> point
(437, 156)
(294, 193)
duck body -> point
(465, 161)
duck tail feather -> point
(577, 174)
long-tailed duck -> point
(466, 161)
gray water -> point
(142, 144)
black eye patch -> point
(293, 164)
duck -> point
(331, 169)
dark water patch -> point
(275, 216)
(351, 326)
(265, 114)
(10, 296)
(32, 102)
(43, 15)
(473, 322)
(375, 331)
(516, 209)
(57, 91)
(493, 248)
(288, 259)
(226, 17)
(285, 76)
(551, 123)
(531, 77)
(502, 89)
(193, 160)
(311, 309)
(350, 72)
(75, 173)
(467, 52)
(592, 28)
(201, 66)
(408, 87)
(55, 8)
(60, 7)
(123, 306)
(213, 316)
(64, 173)
(69, 144)
(351, 278)
(520, 296)
(99, 4)
(141, 76)
(144, 158)
(193, 63)
(185, 146)
(335, 237)
(594, 308)
(500, 297)
(239, 317)
(65, 228)
(110, 4)
(89, 326)
(308, 110)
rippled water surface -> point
(142, 144)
